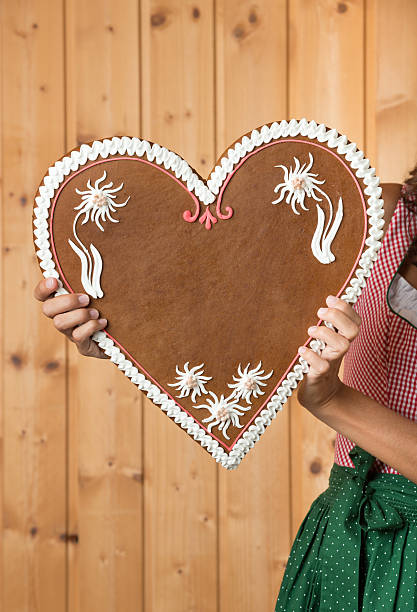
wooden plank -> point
(392, 87)
(105, 430)
(372, 69)
(180, 477)
(2, 300)
(34, 405)
(326, 83)
(326, 64)
(254, 500)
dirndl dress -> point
(356, 549)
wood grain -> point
(34, 416)
(392, 80)
(254, 510)
(2, 345)
(326, 82)
(105, 425)
(180, 478)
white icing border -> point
(207, 194)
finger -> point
(335, 302)
(82, 333)
(64, 303)
(68, 320)
(343, 323)
(318, 365)
(44, 288)
(336, 344)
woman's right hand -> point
(71, 317)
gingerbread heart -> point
(209, 286)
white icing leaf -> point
(98, 266)
(84, 270)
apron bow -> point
(374, 512)
(359, 508)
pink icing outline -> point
(196, 201)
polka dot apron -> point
(356, 549)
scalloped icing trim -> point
(207, 194)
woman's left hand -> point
(322, 381)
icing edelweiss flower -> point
(190, 381)
(223, 412)
(299, 183)
(98, 202)
(249, 382)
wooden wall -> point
(106, 505)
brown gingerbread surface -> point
(242, 292)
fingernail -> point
(301, 349)
(83, 299)
(312, 329)
(321, 311)
(102, 321)
(50, 283)
(331, 300)
(93, 313)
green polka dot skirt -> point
(356, 549)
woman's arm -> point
(387, 435)
(379, 430)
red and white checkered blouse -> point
(382, 360)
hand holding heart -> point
(322, 382)
(71, 316)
